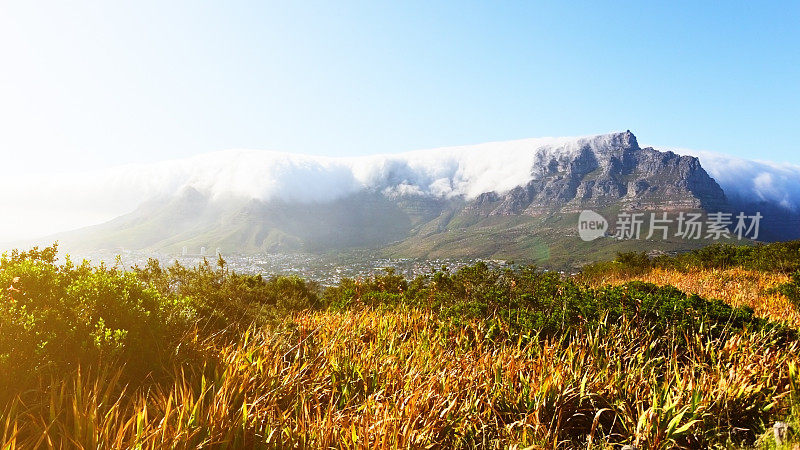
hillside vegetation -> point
(692, 351)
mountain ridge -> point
(435, 210)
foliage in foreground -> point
(56, 316)
(478, 357)
(404, 378)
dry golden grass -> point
(397, 378)
(737, 287)
(407, 377)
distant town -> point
(326, 270)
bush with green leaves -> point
(228, 300)
(55, 316)
(791, 289)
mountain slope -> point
(517, 200)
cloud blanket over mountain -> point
(42, 205)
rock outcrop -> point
(621, 174)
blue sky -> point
(96, 84)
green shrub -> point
(781, 257)
(225, 299)
(56, 316)
(791, 289)
(385, 288)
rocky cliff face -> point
(621, 174)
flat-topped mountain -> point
(516, 199)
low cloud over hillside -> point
(41, 205)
